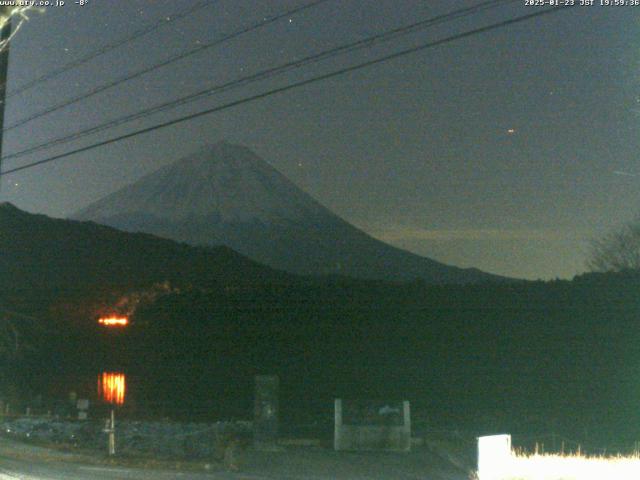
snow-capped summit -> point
(226, 194)
(225, 181)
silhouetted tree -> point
(617, 251)
(16, 334)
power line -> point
(292, 86)
(268, 73)
(111, 46)
(164, 63)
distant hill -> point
(42, 256)
(227, 195)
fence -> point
(372, 427)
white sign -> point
(494, 457)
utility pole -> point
(4, 68)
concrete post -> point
(337, 424)
(406, 411)
(266, 412)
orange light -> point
(114, 321)
(112, 387)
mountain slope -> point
(226, 195)
(66, 259)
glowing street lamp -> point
(114, 321)
(112, 387)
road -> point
(18, 469)
(14, 469)
(26, 462)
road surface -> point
(12, 469)
(25, 462)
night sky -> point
(507, 151)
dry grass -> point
(566, 467)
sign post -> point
(111, 388)
(112, 434)
(266, 411)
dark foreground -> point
(28, 462)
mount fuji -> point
(225, 194)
